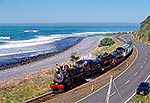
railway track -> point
(42, 98)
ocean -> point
(22, 41)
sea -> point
(20, 42)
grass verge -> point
(28, 87)
(140, 99)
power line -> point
(118, 92)
(109, 90)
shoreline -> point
(82, 47)
(37, 58)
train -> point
(85, 69)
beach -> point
(82, 48)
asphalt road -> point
(127, 82)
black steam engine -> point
(66, 77)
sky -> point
(73, 11)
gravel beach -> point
(84, 47)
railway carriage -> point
(66, 78)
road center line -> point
(127, 82)
(141, 67)
(135, 74)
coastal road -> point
(124, 86)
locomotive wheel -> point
(68, 82)
(74, 82)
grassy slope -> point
(140, 99)
(142, 34)
(24, 91)
(28, 87)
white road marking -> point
(144, 62)
(112, 94)
(141, 67)
(135, 74)
(145, 58)
(127, 82)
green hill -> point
(143, 32)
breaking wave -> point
(39, 40)
(32, 42)
(37, 44)
(27, 31)
(4, 38)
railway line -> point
(42, 98)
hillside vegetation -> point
(143, 32)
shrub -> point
(73, 57)
(106, 42)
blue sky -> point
(70, 11)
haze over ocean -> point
(20, 42)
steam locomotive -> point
(66, 78)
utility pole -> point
(109, 89)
